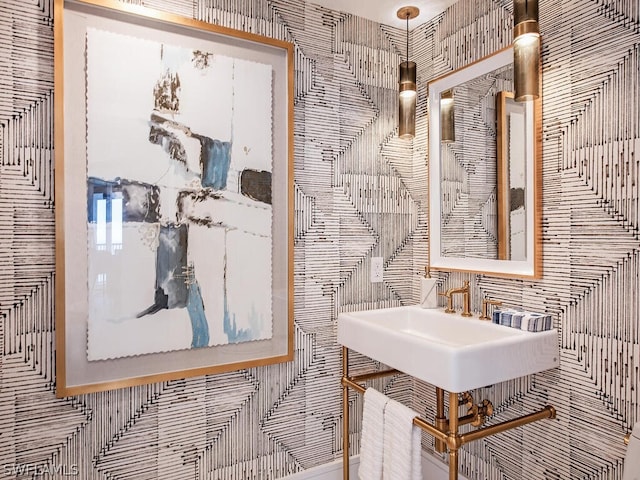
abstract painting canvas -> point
(179, 217)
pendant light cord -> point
(408, 37)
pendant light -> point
(526, 50)
(407, 84)
(447, 117)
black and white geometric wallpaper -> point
(360, 192)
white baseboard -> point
(435, 469)
(328, 471)
(432, 469)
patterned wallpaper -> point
(360, 192)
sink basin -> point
(447, 350)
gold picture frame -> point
(87, 358)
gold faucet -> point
(485, 303)
(466, 299)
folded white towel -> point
(402, 446)
(371, 439)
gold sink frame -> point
(445, 431)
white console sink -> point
(447, 350)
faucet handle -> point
(485, 303)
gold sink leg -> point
(453, 442)
(441, 421)
(345, 415)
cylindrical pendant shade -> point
(407, 94)
(447, 117)
(526, 67)
(407, 78)
(526, 50)
(524, 11)
(407, 100)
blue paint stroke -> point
(243, 335)
(215, 158)
(199, 325)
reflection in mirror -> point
(447, 118)
(511, 177)
(468, 176)
(484, 180)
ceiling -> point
(384, 11)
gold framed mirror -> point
(484, 172)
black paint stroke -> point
(256, 184)
(196, 196)
(170, 143)
(516, 198)
(171, 270)
(165, 93)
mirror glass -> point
(484, 178)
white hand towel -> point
(371, 440)
(631, 469)
(402, 448)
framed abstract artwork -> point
(174, 197)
